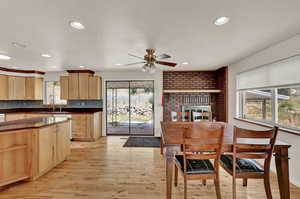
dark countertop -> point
(35, 122)
(50, 110)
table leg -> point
(282, 168)
(169, 152)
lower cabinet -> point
(30, 153)
(85, 126)
(52, 147)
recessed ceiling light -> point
(5, 57)
(118, 64)
(81, 66)
(185, 63)
(221, 21)
(46, 55)
(77, 25)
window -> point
(53, 93)
(279, 105)
(289, 107)
(258, 104)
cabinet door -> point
(11, 88)
(19, 88)
(83, 85)
(3, 87)
(29, 92)
(73, 86)
(38, 88)
(63, 141)
(80, 126)
(47, 149)
(94, 87)
(64, 87)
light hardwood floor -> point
(106, 170)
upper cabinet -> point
(20, 88)
(4, 87)
(95, 88)
(80, 85)
(16, 88)
(34, 88)
(64, 87)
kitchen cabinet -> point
(81, 86)
(34, 88)
(16, 88)
(86, 126)
(73, 86)
(64, 87)
(30, 153)
(83, 81)
(95, 90)
(4, 87)
(47, 149)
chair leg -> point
(233, 188)
(217, 186)
(204, 182)
(176, 176)
(268, 187)
(185, 187)
(245, 182)
(161, 147)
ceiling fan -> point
(150, 60)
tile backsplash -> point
(39, 104)
(85, 103)
(21, 104)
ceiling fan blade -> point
(136, 56)
(141, 62)
(163, 56)
(166, 63)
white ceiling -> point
(114, 28)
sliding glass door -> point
(129, 107)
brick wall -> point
(195, 80)
(221, 100)
(189, 80)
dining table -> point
(173, 140)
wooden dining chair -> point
(175, 127)
(240, 163)
(202, 143)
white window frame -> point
(241, 104)
(46, 99)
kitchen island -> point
(86, 122)
(31, 147)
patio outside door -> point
(129, 107)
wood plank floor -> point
(106, 170)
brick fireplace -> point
(191, 88)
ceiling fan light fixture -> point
(152, 69)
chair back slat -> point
(208, 156)
(252, 155)
(252, 147)
(245, 133)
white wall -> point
(281, 50)
(131, 75)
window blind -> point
(279, 73)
